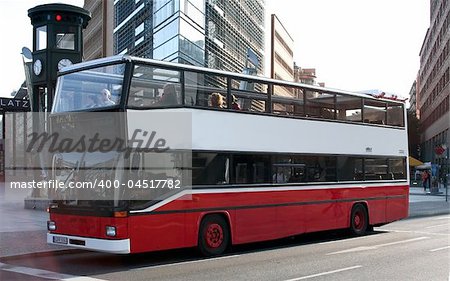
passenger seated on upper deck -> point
(217, 100)
(169, 96)
(106, 98)
(234, 104)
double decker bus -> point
(268, 159)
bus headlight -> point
(111, 231)
(51, 225)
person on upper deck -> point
(217, 100)
(234, 104)
(169, 96)
(106, 98)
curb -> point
(429, 194)
(428, 214)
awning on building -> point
(413, 162)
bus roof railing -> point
(186, 67)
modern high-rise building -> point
(212, 33)
(98, 36)
(433, 85)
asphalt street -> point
(417, 248)
(412, 249)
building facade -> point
(282, 55)
(413, 100)
(305, 75)
(212, 33)
(281, 59)
(433, 85)
(98, 36)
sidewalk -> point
(423, 203)
(419, 191)
(23, 231)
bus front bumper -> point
(103, 245)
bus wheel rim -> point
(214, 235)
(359, 220)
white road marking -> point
(344, 240)
(375, 247)
(443, 218)
(186, 262)
(82, 278)
(439, 249)
(416, 232)
(439, 225)
(325, 273)
(45, 273)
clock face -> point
(63, 63)
(37, 67)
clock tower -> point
(57, 43)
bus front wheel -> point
(214, 235)
(359, 220)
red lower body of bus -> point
(252, 216)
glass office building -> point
(212, 33)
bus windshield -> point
(77, 169)
(90, 89)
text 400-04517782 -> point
(141, 184)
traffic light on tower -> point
(58, 42)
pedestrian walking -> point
(425, 180)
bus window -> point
(310, 109)
(286, 101)
(374, 112)
(210, 168)
(241, 175)
(282, 108)
(287, 172)
(251, 95)
(251, 169)
(83, 90)
(397, 168)
(350, 168)
(199, 88)
(348, 108)
(376, 169)
(281, 169)
(395, 115)
(259, 172)
(154, 87)
(320, 105)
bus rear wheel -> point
(359, 220)
(214, 235)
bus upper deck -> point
(136, 83)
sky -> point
(353, 44)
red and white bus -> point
(271, 159)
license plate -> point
(59, 240)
